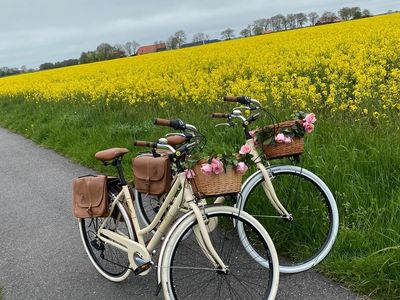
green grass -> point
(358, 159)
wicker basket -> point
(228, 182)
(296, 147)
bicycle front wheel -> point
(307, 238)
(108, 260)
(188, 272)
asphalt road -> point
(41, 254)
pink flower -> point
(287, 140)
(206, 169)
(310, 118)
(241, 168)
(280, 138)
(189, 173)
(308, 127)
(245, 149)
(217, 166)
(252, 133)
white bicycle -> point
(203, 254)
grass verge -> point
(359, 161)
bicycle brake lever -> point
(225, 124)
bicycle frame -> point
(266, 184)
(138, 252)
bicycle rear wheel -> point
(147, 206)
(109, 261)
(305, 240)
(187, 272)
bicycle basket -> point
(277, 150)
(228, 182)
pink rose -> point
(310, 118)
(189, 173)
(287, 140)
(252, 133)
(308, 127)
(217, 166)
(241, 168)
(206, 169)
(280, 138)
(245, 149)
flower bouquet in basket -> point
(286, 138)
(219, 174)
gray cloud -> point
(33, 32)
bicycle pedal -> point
(144, 265)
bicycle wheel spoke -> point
(192, 277)
(303, 240)
(111, 262)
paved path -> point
(41, 255)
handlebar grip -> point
(176, 140)
(144, 144)
(175, 124)
(219, 115)
(162, 122)
(239, 99)
(230, 98)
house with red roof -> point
(151, 49)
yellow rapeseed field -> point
(350, 66)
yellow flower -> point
(342, 67)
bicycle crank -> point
(138, 256)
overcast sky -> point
(37, 31)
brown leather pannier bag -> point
(90, 197)
(152, 175)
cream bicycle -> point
(202, 254)
(295, 205)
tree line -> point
(104, 51)
(278, 22)
(296, 20)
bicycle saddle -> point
(110, 154)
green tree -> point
(104, 51)
(345, 13)
(46, 66)
(172, 42)
(356, 12)
(259, 26)
(180, 38)
(366, 13)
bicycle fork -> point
(203, 238)
(267, 184)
